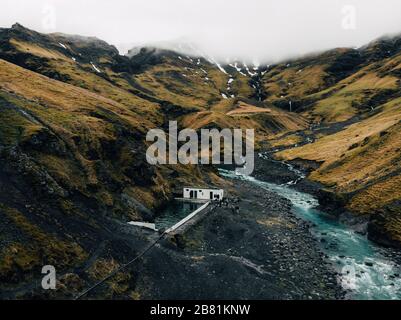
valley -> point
(74, 115)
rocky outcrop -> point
(382, 227)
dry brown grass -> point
(62, 100)
(34, 49)
(330, 148)
(361, 157)
(294, 81)
(285, 141)
(184, 85)
(244, 109)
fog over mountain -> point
(261, 30)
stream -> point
(364, 270)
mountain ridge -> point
(75, 113)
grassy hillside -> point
(362, 163)
(352, 99)
(337, 85)
(74, 115)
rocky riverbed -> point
(275, 243)
(259, 251)
(366, 270)
(257, 247)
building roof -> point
(203, 188)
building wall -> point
(203, 194)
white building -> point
(203, 194)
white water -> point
(348, 251)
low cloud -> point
(254, 30)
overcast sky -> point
(265, 30)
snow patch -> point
(95, 68)
(218, 65)
(221, 68)
(249, 71)
(236, 67)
